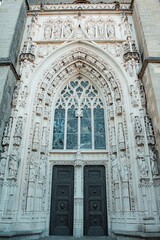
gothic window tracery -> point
(79, 117)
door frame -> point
(79, 160)
(92, 198)
(62, 202)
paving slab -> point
(74, 238)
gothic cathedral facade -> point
(80, 127)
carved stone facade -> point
(102, 51)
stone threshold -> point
(76, 238)
(20, 233)
(137, 234)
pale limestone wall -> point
(12, 18)
(146, 17)
(152, 89)
(7, 82)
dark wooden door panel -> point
(61, 216)
(95, 213)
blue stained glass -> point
(71, 141)
(72, 129)
(85, 126)
(79, 89)
(99, 129)
(86, 137)
(84, 84)
(72, 126)
(71, 113)
(100, 142)
(80, 122)
(58, 131)
(99, 113)
(74, 84)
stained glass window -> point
(79, 117)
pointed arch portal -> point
(85, 91)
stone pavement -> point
(74, 238)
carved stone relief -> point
(13, 163)
(143, 165)
(26, 69)
(138, 131)
(149, 131)
(7, 132)
(36, 137)
(3, 161)
(153, 161)
(18, 132)
(121, 138)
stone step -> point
(74, 238)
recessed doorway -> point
(61, 216)
(95, 210)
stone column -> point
(78, 197)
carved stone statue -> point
(36, 138)
(154, 165)
(58, 29)
(115, 168)
(110, 29)
(18, 132)
(33, 169)
(123, 167)
(24, 94)
(113, 140)
(26, 69)
(67, 29)
(42, 170)
(44, 140)
(149, 131)
(34, 26)
(42, 51)
(7, 132)
(15, 96)
(47, 32)
(18, 129)
(13, 163)
(126, 26)
(137, 126)
(3, 161)
(134, 96)
(143, 167)
(121, 138)
(90, 28)
(100, 29)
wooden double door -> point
(94, 204)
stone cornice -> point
(79, 7)
(8, 62)
(146, 61)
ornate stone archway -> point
(81, 61)
(31, 133)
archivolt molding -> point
(77, 61)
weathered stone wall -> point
(146, 16)
(12, 19)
